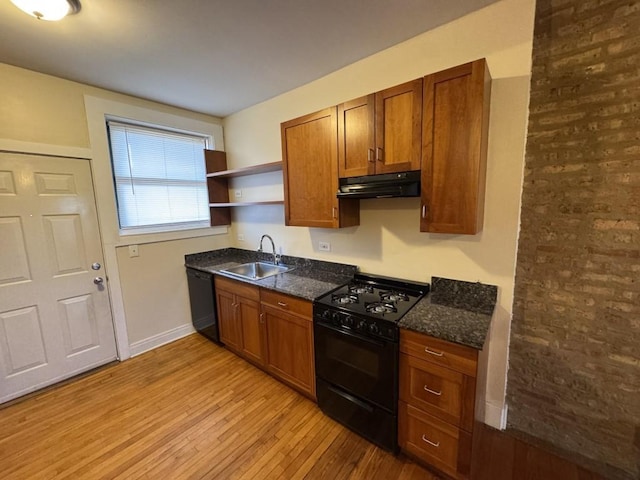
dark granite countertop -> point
(455, 311)
(309, 279)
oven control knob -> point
(335, 316)
(373, 328)
(348, 321)
(326, 314)
(362, 325)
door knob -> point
(98, 280)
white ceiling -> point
(215, 56)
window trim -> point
(97, 110)
(209, 143)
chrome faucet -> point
(276, 257)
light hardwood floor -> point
(191, 410)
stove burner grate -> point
(393, 296)
(344, 298)
(358, 288)
(380, 307)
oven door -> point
(362, 366)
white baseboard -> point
(160, 339)
(496, 416)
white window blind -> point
(160, 178)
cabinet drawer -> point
(431, 388)
(457, 357)
(238, 288)
(431, 440)
(287, 302)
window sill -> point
(142, 238)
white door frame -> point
(109, 252)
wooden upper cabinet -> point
(310, 156)
(398, 125)
(381, 133)
(356, 137)
(454, 149)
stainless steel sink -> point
(256, 270)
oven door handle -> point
(351, 399)
(377, 343)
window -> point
(160, 178)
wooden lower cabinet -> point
(429, 438)
(290, 347)
(272, 330)
(239, 319)
(438, 396)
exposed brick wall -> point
(574, 373)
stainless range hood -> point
(404, 184)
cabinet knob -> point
(424, 211)
(334, 211)
(379, 154)
(283, 305)
(262, 318)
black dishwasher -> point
(203, 304)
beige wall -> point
(388, 241)
(42, 109)
(158, 274)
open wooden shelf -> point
(252, 170)
(218, 185)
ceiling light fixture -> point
(51, 10)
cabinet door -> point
(290, 349)
(230, 332)
(310, 156)
(456, 118)
(356, 146)
(253, 348)
(398, 128)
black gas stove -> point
(371, 305)
(356, 346)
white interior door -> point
(55, 321)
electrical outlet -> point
(238, 193)
(133, 251)
(241, 237)
(324, 246)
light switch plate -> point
(238, 193)
(324, 246)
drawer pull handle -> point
(425, 439)
(431, 352)
(433, 392)
(283, 305)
